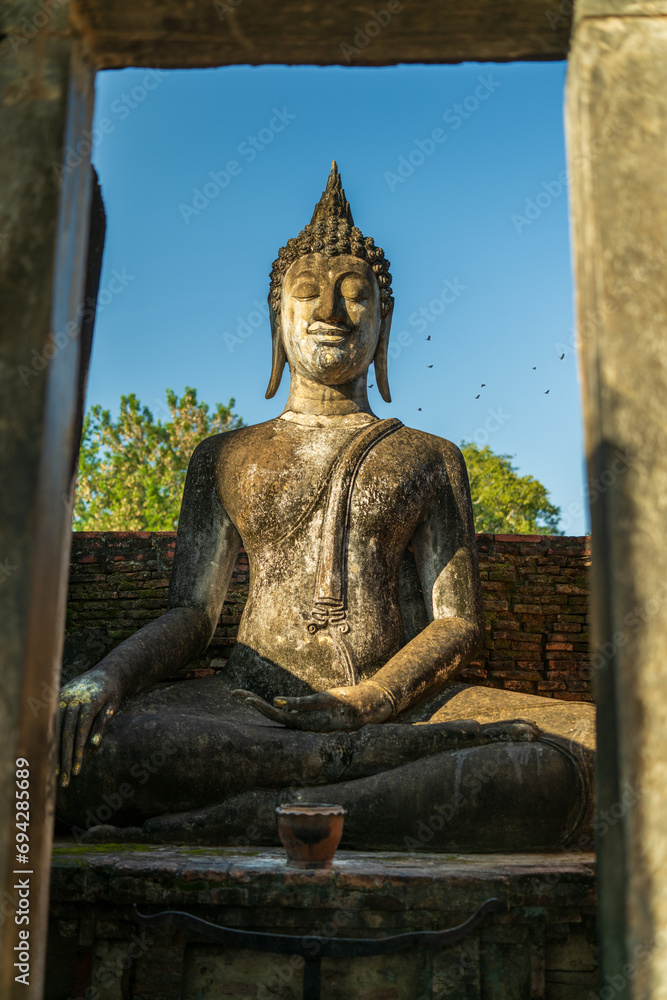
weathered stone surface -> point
(45, 101)
(544, 940)
(242, 877)
(617, 125)
(569, 721)
(250, 31)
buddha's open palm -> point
(87, 705)
(326, 711)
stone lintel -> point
(226, 32)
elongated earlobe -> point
(380, 359)
(279, 358)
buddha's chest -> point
(284, 489)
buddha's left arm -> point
(446, 558)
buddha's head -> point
(330, 300)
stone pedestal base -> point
(542, 947)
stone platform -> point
(542, 946)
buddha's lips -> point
(327, 334)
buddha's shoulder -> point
(221, 446)
(431, 447)
(244, 444)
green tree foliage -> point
(504, 502)
(132, 470)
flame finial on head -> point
(333, 203)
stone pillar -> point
(46, 104)
(617, 138)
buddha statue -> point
(364, 605)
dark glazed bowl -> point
(310, 833)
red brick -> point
(473, 675)
(572, 696)
(528, 671)
(525, 686)
(518, 538)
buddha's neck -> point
(308, 396)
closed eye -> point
(306, 290)
(355, 289)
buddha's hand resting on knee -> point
(87, 705)
(326, 711)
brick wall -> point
(536, 602)
(535, 596)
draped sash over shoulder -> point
(330, 599)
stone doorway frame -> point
(617, 144)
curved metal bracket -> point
(314, 949)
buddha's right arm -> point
(152, 654)
(206, 549)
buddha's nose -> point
(331, 307)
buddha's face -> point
(330, 317)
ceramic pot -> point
(310, 833)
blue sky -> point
(456, 171)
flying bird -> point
(534, 368)
(477, 397)
(483, 385)
(429, 337)
(562, 356)
(547, 392)
(371, 385)
(419, 408)
(429, 366)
